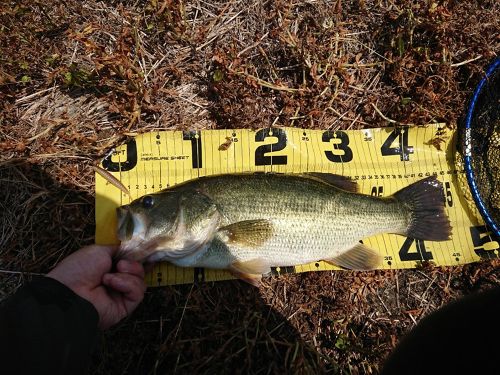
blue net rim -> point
(468, 148)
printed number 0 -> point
(123, 166)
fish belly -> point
(306, 238)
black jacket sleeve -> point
(45, 328)
(460, 338)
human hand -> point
(88, 273)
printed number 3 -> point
(346, 155)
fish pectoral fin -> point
(336, 180)
(359, 257)
(250, 271)
(253, 233)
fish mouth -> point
(132, 228)
(125, 223)
(131, 225)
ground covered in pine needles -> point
(80, 77)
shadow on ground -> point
(204, 333)
(223, 327)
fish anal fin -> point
(251, 279)
(359, 257)
(253, 233)
(336, 180)
(250, 271)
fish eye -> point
(148, 201)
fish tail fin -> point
(428, 219)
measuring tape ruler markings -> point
(377, 189)
(382, 161)
(443, 255)
(432, 162)
(464, 248)
(392, 163)
(452, 196)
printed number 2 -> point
(260, 153)
(342, 146)
(420, 254)
(403, 150)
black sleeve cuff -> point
(47, 328)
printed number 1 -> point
(195, 139)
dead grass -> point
(77, 77)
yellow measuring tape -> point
(381, 161)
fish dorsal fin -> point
(359, 257)
(336, 180)
(250, 271)
(253, 233)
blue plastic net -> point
(481, 147)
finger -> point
(131, 267)
(131, 287)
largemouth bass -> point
(248, 223)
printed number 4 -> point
(403, 150)
(420, 254)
